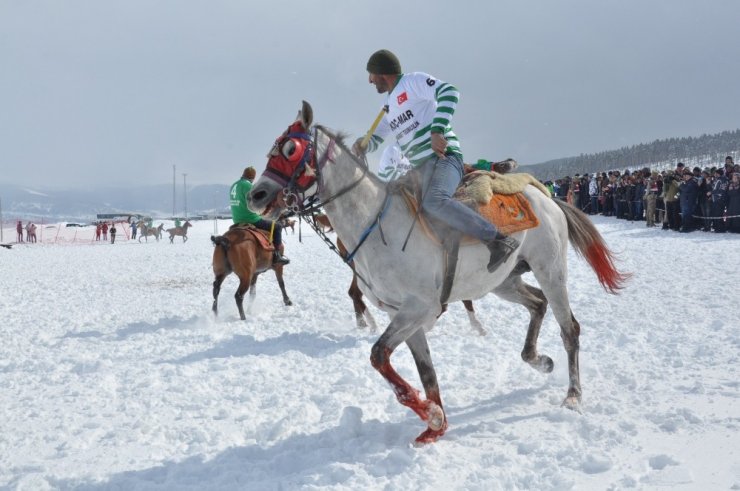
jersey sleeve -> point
(380, 134)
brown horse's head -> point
(290, 166)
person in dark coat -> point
(733, 204)
(688, 191)
(719, 200)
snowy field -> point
(115, 375)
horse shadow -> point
(314, 345)
(320, 459)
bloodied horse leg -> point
(408, 325)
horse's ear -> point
(305, 115)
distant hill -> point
(26, 203)
(704, 151)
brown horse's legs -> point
(239, 296)
(360, 308)
(216, 289)
(474, 322)
(279, 275)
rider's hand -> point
(439, 144)
(357, 148)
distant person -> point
(31, 232)
(112, 233)
(688, 193)
(178, 223)
(28, 231)
(719, 200)
(98, 230)
(242, 215)
(733, 204)
(19, 229)
(105, 231)
(133, 229)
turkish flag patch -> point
(402, 98)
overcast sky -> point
(117, 92)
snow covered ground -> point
(115, 375)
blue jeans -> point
(440, 178)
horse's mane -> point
(339, 139)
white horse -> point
(307, 163)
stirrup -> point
(278, 258)
(501, 248)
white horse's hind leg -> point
(408, 326)
(514, 289)
(553, 286)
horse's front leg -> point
(279, 275)
(408, 326)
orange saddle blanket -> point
(509, 212)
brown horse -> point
(240, 252)
(181, 231)
(287, 223)
(324, 223)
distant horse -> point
(241, 252)
(324, 223)
(285, 222)
(406, 284)
(147, 232)
(181, 231)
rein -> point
(311, 204)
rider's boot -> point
(278, 258)
(501, 248)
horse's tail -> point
(589, 244)
(222, 243)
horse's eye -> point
(288, 149)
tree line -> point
(707, 147)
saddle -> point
(260, 235)
(496, 197)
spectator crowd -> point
(680, 199)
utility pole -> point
(173, 190)
(185, 192)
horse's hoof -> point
(288, 303)
(546, 364)
(542, 363)
(435, 417)
(430, 436)
(573, 403)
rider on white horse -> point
(418, 110)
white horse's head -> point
(290, 166)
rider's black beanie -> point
(383, 62)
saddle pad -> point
(260, 235)
(509, 212)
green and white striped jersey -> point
(418, 106)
